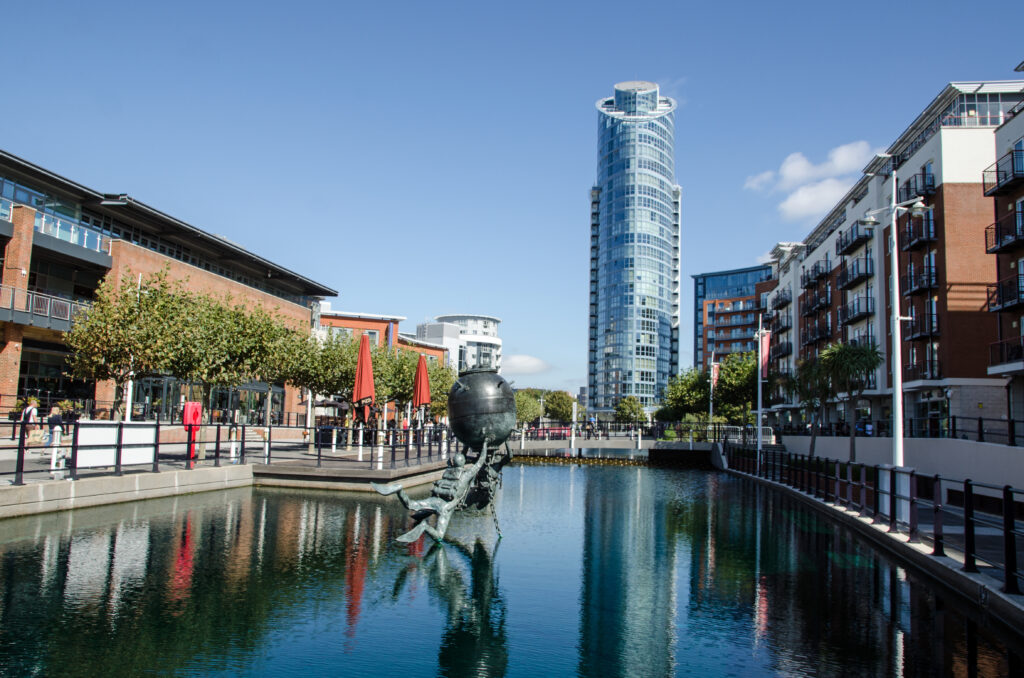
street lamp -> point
(915, 207)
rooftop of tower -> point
(635, 101)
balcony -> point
(1006, 351)
(1006, 234)
(863, 339)
(855, 271)
(917, 232)
(811, 276)
(814, 333)
(927, 369)
(781, 299)
(1005, 174)
(922, 327)
(37, 309)
(917, 186)
(1006, 294)
(781, 323)
(780, 350)
(859, 308)
(852, 238)
(919, 281)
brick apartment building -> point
(726, 309)
(1003, 181)
(381, 329)
(834, 286)
(60, 239)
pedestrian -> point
(30, 423)
(56, 423)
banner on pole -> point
(766, 339)
(714, 375)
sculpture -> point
(482, 411)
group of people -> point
(49, 437)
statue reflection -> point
(464, 581)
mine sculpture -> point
(482, 412)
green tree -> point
(812, 387)
(527, 407)
(558, 405)
(849, 367)
(130, 331)
(441, 380)
(629, 410)
(736, 391)
(687, 393)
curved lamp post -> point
(915, 207)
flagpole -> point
(711, 396)
(760, 402)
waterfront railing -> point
(981, 521)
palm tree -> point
(812, 387)
(850, 366)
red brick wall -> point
(359, 325)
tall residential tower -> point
(634, 249)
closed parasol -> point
(362, 392)
(421, 384)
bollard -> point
(913, 534)
(1009, 542)
(216, 450)
(118, 449)
(969, 541)
(19, 466)
(938, 548)
(334, 440)
(156, 448)
(360, 443)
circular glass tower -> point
(634, 249)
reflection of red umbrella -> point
(362, 392)
(421, 384)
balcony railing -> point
(815, 301)
(813, 333)
(71, 231)
(861, 307)
(781, 322)
(812, 275)
(852, 238)
(1004, 174)
(25, 307)
(780, 350)
(919, 281)
(917, 232)
(927, 369)
(1006, 294)
(1005, 234)
(922, 327)
(781, 299)
(866, 339)
(855, 271)
(918, 185)
(1006, 351)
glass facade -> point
(634, 249)
(721, 285)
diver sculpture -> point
(482, 411)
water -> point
(603, 571)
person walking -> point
(30, 423)
(56, 423)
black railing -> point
(860, 307)
(810, 276)
(922, 326)
(783, 321)
(852, 238)
(917, 232)
(781, 299)
(979, 520)
(926, 369)
(1004, 174)
(924, 279)
(855, 271)
(1006, 294)
(1006, 351)
(917, 185)
(780, 350)
(1005, 234)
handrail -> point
(39, 303)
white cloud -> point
(759, 182)
(523, 364)
(764, 258)
(796, 170)
(814, 200)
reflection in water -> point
(475, 641)
(605, 571)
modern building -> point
(471, 340)
(1003, 181)
(835, 285)
(633, 346)
(725, 309)
(60, 239)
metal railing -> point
(1006, 351)
(854, 271)
(1005, 233)
(978, 520)
(1003, 173)
(72, 231)
(39, 304)
(924, 279)
(781, 299)
(857, 308)
(917, 185)
(916, 232)
(924, 325)
(852, 238)
(1006, 294)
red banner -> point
(766, 339)
(714, 375)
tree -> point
(527, 407)
(736, 390)
(685, 394)
(130, 331)
(849, 366)
(629, 410)
(441, 380)
(558, 405)
(812, 387)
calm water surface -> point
(603, 571)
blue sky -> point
(432, 158)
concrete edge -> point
(347, 485)
(977, 589)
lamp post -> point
(916, 207)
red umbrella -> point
(421, 384)
(362, 392)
